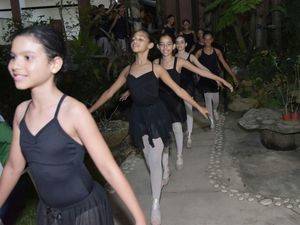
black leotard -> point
(187, 80)
(189, 39)
(55, 161)
(149, 115)
(66, 190)
(174, 104)
(210, 62)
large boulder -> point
(240, 104)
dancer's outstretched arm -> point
(15, 165)
(111, 91)
(97, 148)
(195, 61)
(165, 77)
(186, 64)
(226, 66)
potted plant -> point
(285, 86)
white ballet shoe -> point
(179, 162)
(155, 213)
(212, 123)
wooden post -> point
(16, 13)
(84, 17)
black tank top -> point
(189, 39)
(144, 89)
(185, 73)
(174, 75)
(211, 63)
(55, 161)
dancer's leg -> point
(177, 129)
(215, 101)
(189, 122)
(208, 104)
(165, 164)
(154, 157)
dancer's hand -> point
(228, 85)
(203, 111)
(124, 96)
(236, 82)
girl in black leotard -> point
(149, 121)
(169, 27)
(187, 82)
(210, 58)
(199, 43)
(51, 133)
(174, 64)
(188, 34)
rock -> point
(251, 199)
(266, 202)
(275, 133)
(278, 203)
(114, 132)
(240, 104)
(289, 206)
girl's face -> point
(166, 46)
(180, 44)
(186, 25)
(140, 42)
(200, 35)
(171, 20)
(29, 65)
(208, 40)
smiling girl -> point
(149, 123)
(51, 133)
(175, 105)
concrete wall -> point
(70, 14)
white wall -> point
(70, 14)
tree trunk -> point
(276, 21)
(201, 9)
(16, 13)
(252, 30)
(261, 32)
(84, 7)
(159, 13)
(239, 36)
(134, 6)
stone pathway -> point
(202, 193)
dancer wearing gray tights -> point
(212, 103)
(153, 157)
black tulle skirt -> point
(93, 210)
(174, 105)
(152, 120)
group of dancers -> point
(52, 131)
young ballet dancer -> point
(210, 58)
(51, 134)
(187, 82)
(175, 105)
(149, 123)
(188, 34)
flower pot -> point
(287, 117)
(295, 116)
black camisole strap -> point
(58, 106)
(175, 63)
(188, 58)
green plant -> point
(284, 85)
